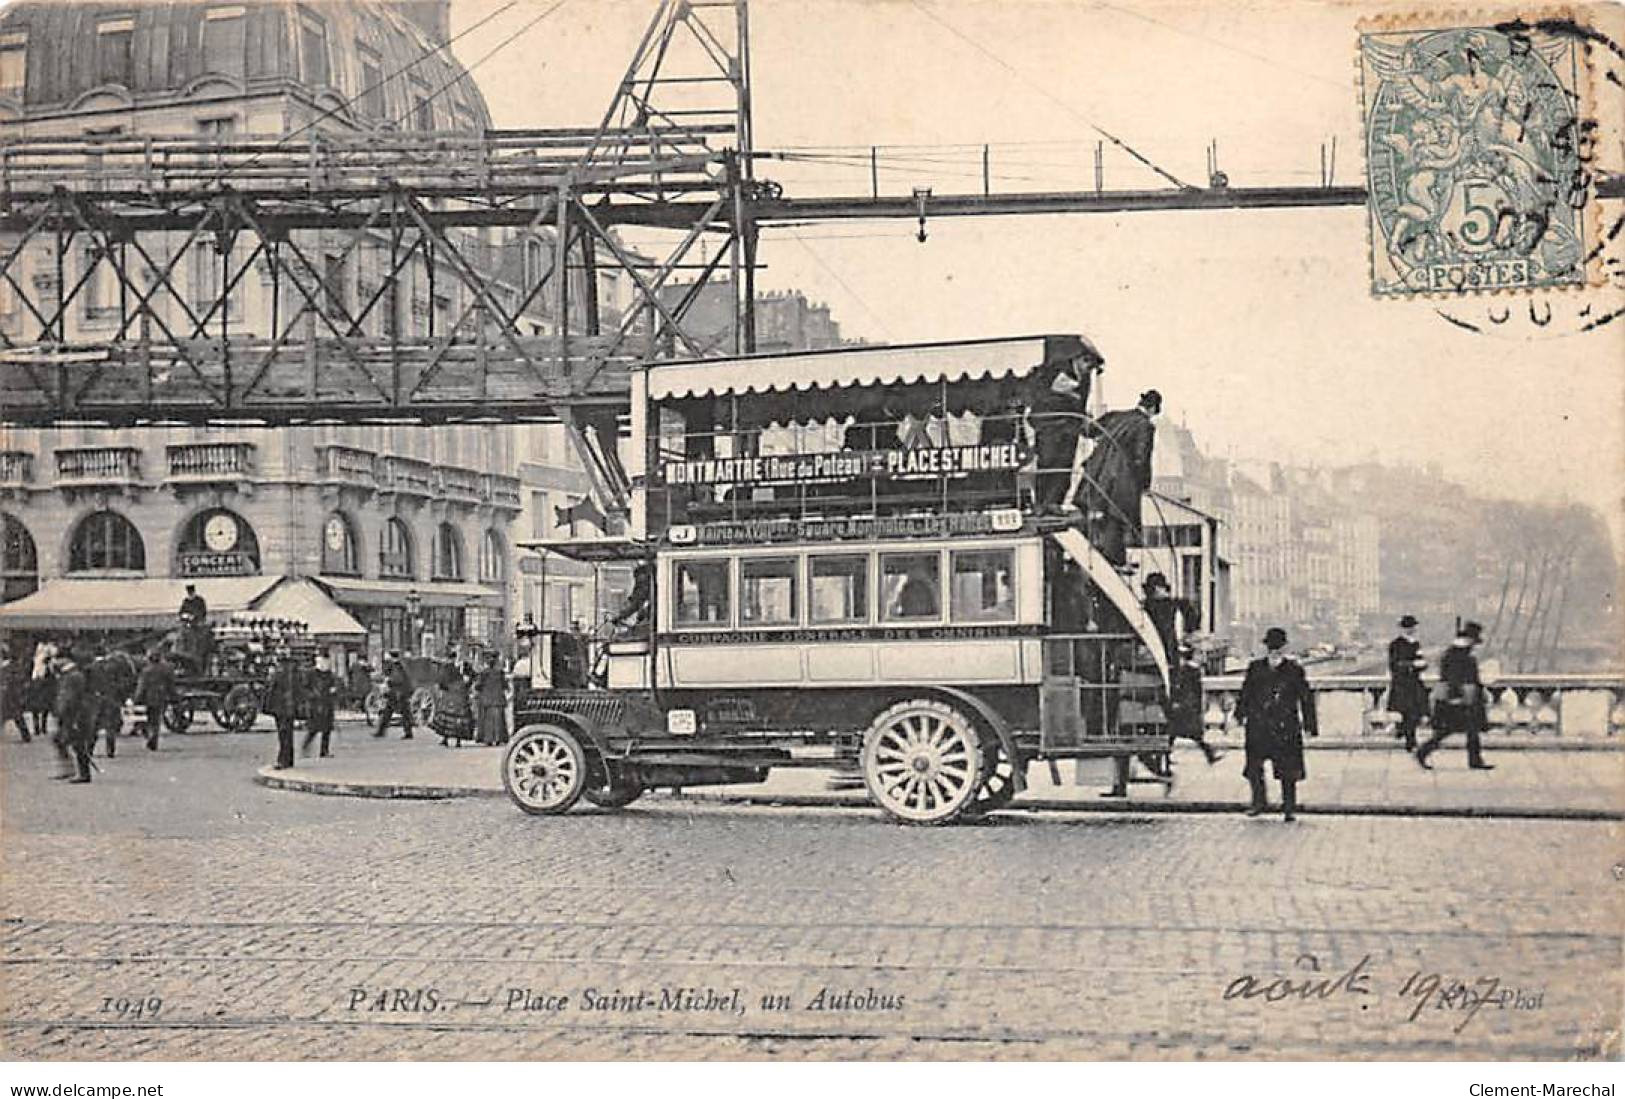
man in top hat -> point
(74, 709)
(1460, 707)
(1277, 708)
(1173, 618)
(194, 608)
(283, 701)
(1117, 473)
(1406, 695)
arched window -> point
(19, 563)
(448, 553)
(492, 559)
(395, 550)
(106, 540)
(217, 542)
(340, 554)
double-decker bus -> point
(846, 569)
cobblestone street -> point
(273, 924)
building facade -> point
(412, 530)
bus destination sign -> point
(846, 465)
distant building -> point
(785, 320)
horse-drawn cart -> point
(224, 671)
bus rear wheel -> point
(922, 761)
(544, 769)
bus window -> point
(838, 588)
(983, 586)
(767, 591)
(700, 593)
(911, 586)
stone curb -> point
(267, 777)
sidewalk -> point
(1576, 785)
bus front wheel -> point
(922, 761)
(544, 769)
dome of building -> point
(370, 63)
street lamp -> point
(414, 624)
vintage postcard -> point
(844, 530)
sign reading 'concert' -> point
(845, 465)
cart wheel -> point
(544, 769)
(178, 715)
(422, 704)
(616, 790)
(922, 761)
(998, 787)
(238, 709)
(373, 706)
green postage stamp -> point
(1476, 151)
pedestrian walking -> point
(491, 696)
(1277, 708)
(73, 707)
(1406, 695)
(397, 696)
(1459, 704)
(154, 692)
(282, 696)
(112, 679)
(453, 712)
(13, 685)
(1185, 719)
(321, 698)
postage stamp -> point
(1475, 145)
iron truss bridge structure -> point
(673, 156)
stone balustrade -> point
(1573, 707)
(348, 465)
(458, 484)
(407, 476)
(101, 465)
(16, 468)
(501, 491)
(211, 461)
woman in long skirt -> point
(490, 692)
(453, 716)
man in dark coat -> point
(1185, 717)
(1173, 618)
(14, 674)
(1117, 473)
(1058, 405)
(397, 696)
(74, 709)
(282, 699)
(154, 691)
(321, 697)
(1277, 708)
(1461, 707)
(194, 608)
(1406, 695)
(112, 679)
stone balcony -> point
(501, 492)
(210, 463)
(98, 467)
(1549, 707)
(458, 485)
(347, 466)
(406, 476)
(16, 469)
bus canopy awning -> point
(132, 604)
(862, 367)
(594, 551)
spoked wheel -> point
(615, 788)
(238, 710)
(544, 769)
(922, 761)
(373, 706)
(998, 787)
(178, 715)
(422, 704)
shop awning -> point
(132, 604)
(393, 593)
(862, 367)
(302, 601)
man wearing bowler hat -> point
(1459, 707)
(1277, 708)
(1406, 695)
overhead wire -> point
(1047, 94)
